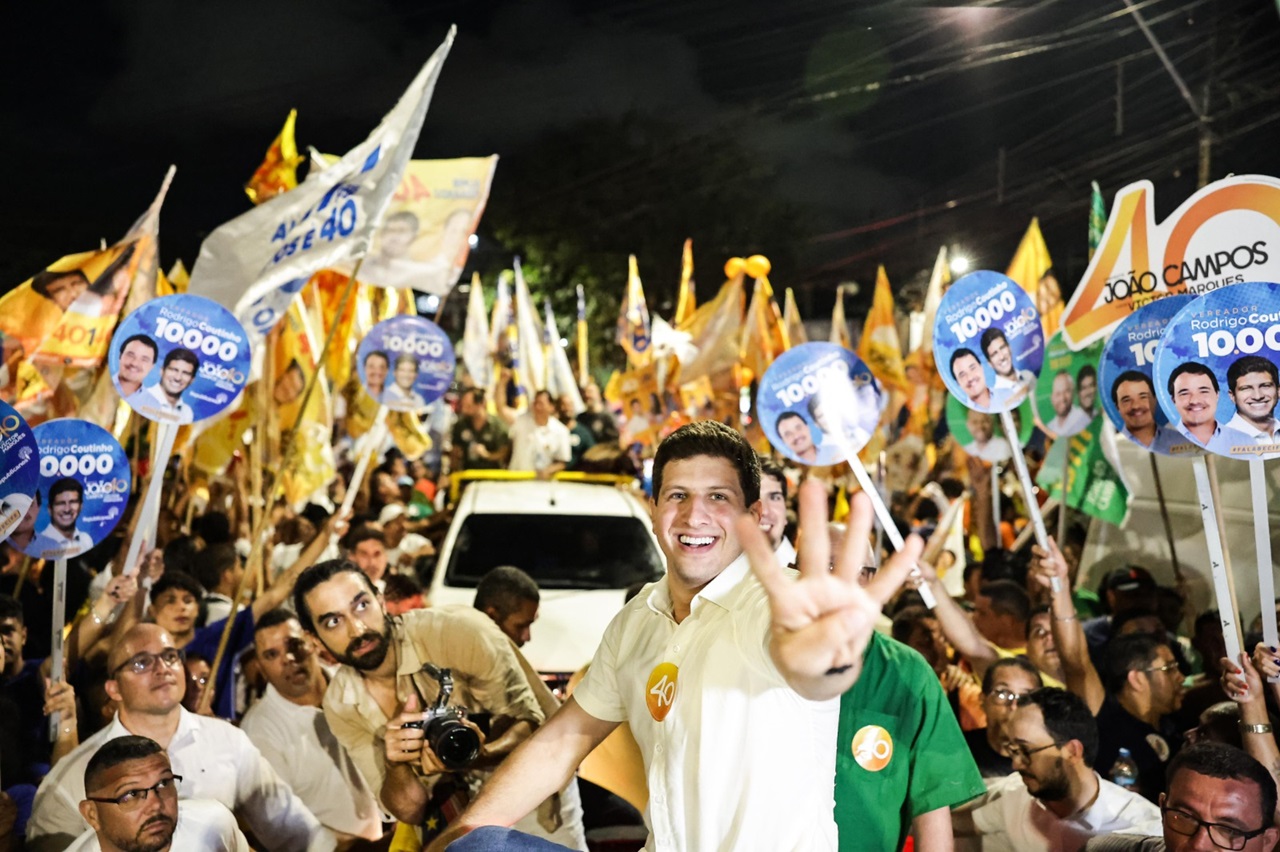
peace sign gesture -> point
(822, 620)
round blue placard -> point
(819, 404)
(405, 363)
(1125, 380)
(987, 341)
(178, 359)
(1216, 374)
(83, 490)
(19, 468)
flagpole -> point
(1164, 516)
(286, 451)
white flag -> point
(533, 367)
(477, 349)
(257, 262)
(560, 378)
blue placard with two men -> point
(1215, 370)
(179, 359)
(987, 342)
(82, 493)
(19, 469)
(1126, 376)
(819, 404)
(405, 363)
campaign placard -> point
(988, 342)
(1216, 374)
(819, 404)
(19, 469)
(982, 436)
(405, 363)
(82, 493)
(1066, 397)
(179, 359)
(1128, 388)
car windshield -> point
(558, 551)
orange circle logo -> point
(660, 691)
(872, 748)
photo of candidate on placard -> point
(1126, 385)
(1216, 369)
(819, 404)
(19, 469)
(179, 359)
(987, 342)
(980, 434)
(82, 493)
(405, 363)
(1066, 397)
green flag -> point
(1097, 218)
(1093, 485)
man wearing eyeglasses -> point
(132, 804)
(1054, 800)
(1219, 798)
(147, 681)
(289, 728)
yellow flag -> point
(880, 346)
(1030, 268)
(633, 319)
(686, 304)
(178, 277)
(839, 325)
(311, 466)
(279, 170)
(764, 337)
(791, 319)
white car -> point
(583, 544)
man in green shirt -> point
(902, 761)
(479, 439)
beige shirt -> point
(487, 678)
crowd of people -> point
(784, 685)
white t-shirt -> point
(298, 744)
(1074, 422)
(994, 451)
(534, 447)
(1010, 818)
(216, 761)
(202, 824)
(722, 775)
(153, 403)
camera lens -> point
(453, 742)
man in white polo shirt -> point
(288, 727)
(729, 689)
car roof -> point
(549, 498)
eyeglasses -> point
(1004, 697)
(1165, 668)
(1018, 752)
(144, 662)
(1222, 836)
(131, 800)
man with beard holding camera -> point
(383, 703)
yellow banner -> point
(1030, 268)
(279, 170)
(880, 346)
(425, 234)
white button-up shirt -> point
(739, 760)
(1009, 818)
(216, 761)
(202, 824)
(298, 744)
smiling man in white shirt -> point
(710, 664)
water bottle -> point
(1124, 772)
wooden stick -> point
(1164, 516)
(1223, 587)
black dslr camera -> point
(456, 744)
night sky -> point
(879, 122)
